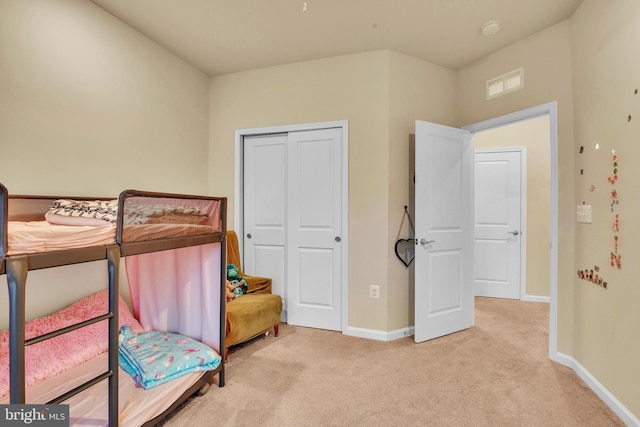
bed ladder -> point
(16, 268)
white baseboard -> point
(379, 335)
(562, 359)
(601, 391)
(535, 298)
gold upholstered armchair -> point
(256, 312)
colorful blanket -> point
(153, 358)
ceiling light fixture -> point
(490, 28)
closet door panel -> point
(314, 293)
(265, 208)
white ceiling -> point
(224, 36)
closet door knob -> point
(248, 235)
(337, 239)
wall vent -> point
(506, 83)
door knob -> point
(248, 235)
(514, 232)
(337, 239)
(425, 242)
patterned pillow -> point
(83, 212)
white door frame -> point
(238, 206)
(523, 214)
(552, 110)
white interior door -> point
(444, 230)
(292, 221)
(265, 208)
(497, 221)
(314, 271)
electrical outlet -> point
(374, 291)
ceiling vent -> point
(506, 83)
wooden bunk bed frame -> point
(16, 267)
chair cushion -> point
(251, 314)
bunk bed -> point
(136, 225)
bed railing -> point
(16, 267)
(133, 242)
(4, 207)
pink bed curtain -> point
(178, 291)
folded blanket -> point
(153, 358)
(141, 213)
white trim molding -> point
(536, 298)
(373, 334)
(601, 391)
(551, 109)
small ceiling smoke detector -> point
(491, 27)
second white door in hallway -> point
(498, 231)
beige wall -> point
(606, 67)
(546, 58)
(89, 106)
(353, 88)
(534, 135)
(381, 94)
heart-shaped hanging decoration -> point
(406, 248)
(405, 251)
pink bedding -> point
(52, 357)
(41, 236)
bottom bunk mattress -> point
(166, 365)
(90, 407)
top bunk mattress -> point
(32, 224)
(25, 237)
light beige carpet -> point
(495, 374)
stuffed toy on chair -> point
(230, 289)
(238, 283)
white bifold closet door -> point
(292, 221)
